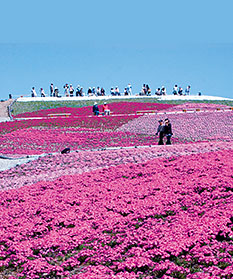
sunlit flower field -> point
(119, 205)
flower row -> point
(148, 219)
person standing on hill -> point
(158, 92)
(66, 91)
(112, 92)
(102, 91)
(117, 91)
(78, 89)
(89, 92)
(71, 90)
(163, 90)
(51, 90)
(129, 89)
(180, 91)
(187, 90)
(98, 92)
(175, 90)
(33, 92)
(56, 92)
(42, 93)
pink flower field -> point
(119, 205)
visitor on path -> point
(117, 91)
(160, 132)
(71, 90)
(51, 90)
(89, 92)
(112, 91)
(93, 91)
(102, 91)
(66, 90)
(106, 110)
(168, 131)
(180, 91)
(33, 92)
(56, 91)
(98, 92)
(78, 91)
(126, 93)
(158, 92)
(175, 90)
(42, 93)
(96, 109)
(143, 90)
(129, 89)
(148, 90)
(163, 91)
(187, 90)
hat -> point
(160, 121)
(105, 103)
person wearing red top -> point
(106, 109)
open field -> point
(119, 205)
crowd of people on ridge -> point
(70, 91)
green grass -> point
(22, 107)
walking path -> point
(4, 110)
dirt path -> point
(3, 109)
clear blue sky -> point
(110, 43)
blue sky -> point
(111, 43)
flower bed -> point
(116, 108)
(187, 126)
(129, 221)
(97, 123)
(50, 167)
